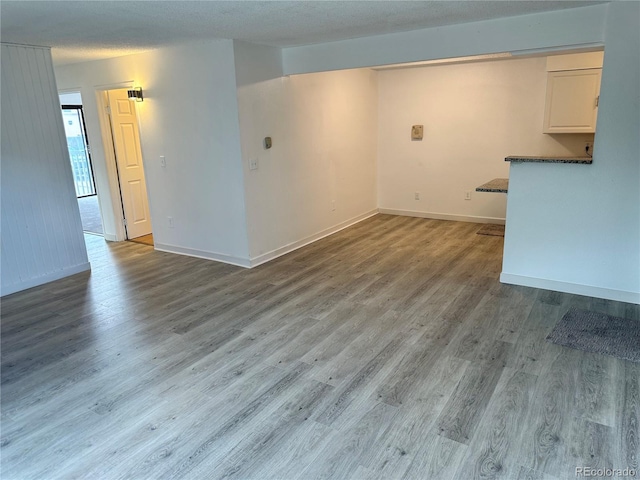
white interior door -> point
(126, 141)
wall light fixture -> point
(135, 94)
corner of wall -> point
(256, 63)
(578, 229)
(202, 187)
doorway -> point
(81, 164)
(129, 168)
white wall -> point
(70, 98)
(324, 129)
(577, 228)
(41, 230)
(190, 116)
(474, 115)
(570, 27)
(256, 63)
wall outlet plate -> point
(253, 164)
(417, 132)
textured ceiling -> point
(88, 30)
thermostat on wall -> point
(416, 132)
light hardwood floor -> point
(389, 350)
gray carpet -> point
(598, 333)
(90, 214)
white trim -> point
(34, 282)
(443, 216)
(575, 288)
(265, 257)
(192, 252)
(110, 238)
(70, 90)
(115, 85)
(102, 100)
(112, 174)
(278, 252)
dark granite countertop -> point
(520, 158)
(498, 185)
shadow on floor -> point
(145, 239)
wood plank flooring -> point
(389, 350)
(145, 239)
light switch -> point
(416, 132)
(163, 161)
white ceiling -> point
(88, 30)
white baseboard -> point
(191, 252)
(110, 238)
(443, 216)
(278, 252)
(574, 288)
(34, 282)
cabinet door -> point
(572, 101)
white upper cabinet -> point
(572, 93)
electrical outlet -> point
(416, 196)
(467, 195)
(170, 222)
(253, 164)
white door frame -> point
(97, 186)
(110, 156)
